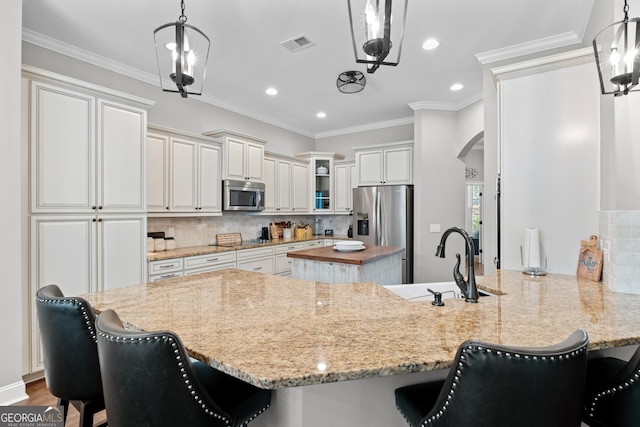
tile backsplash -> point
(620, 243)
(197, 231)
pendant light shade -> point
(351, 82)
(377, 29)
(617, 53)
(182, 52)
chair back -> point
(148, 379)
(502, 386)
(68, 336)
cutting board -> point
(228, 238)
(590, 260)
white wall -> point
(11, 385)
(549, 127)
(343, 143)
(170, 109)
(470, 123)
(439, 193)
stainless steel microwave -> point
(242, 195)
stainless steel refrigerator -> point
(383, 216)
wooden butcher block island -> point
(380, 264)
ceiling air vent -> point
(297, 43)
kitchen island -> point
(380, 264)
(335, 353)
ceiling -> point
(246, 56)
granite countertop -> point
(278, 332)
(328, 254)
(212, 249)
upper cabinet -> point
(286, 181)
(243, 155)
(87, 150)
(346, 179)
(321, 167)
(387, 164)
(183, 173)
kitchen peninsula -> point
(335, 353)
(380, 264)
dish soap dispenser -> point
(350, 231)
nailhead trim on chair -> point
(610, 391)
(456, 378)
(83, 309)
(187, 382)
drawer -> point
(165, 276)
(283, 263)
(209, 259)
(255, 252)
(264, 265)
(165, 266)
(288, 247)
(313, 244)
(328, 242)
(209, 268)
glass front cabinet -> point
(321, 168)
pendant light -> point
(617, 52)
(377, 29)
(351, 82)
(182, 52)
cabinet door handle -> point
(166, 276)
(99, 219)
(167, 207)
(167, 266)
(257, 268)
(93, 207)
(93, 220)
(99, 207)
(212, 259)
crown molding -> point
(363, 128)
(540, 65)
(534, 46)
(446, 106)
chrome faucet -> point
(468, 287)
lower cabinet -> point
(259, 260)
(81, 254)
(283, 263)
(188, 266)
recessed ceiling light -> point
(456, 86)
(430, 44)
(272, 91)
(321, 115)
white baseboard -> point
(12, 393)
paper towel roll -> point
(532, 257)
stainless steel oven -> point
(242, 195)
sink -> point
(419, 292)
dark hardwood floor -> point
(39, 396)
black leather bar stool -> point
(612, 396)
(71, 367)
(149, 380)
(503, 386)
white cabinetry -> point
(183, 173)
(243, 155)
(87, 153)
(389, 164)
(259, 260)
(283, 263)
(345, 181)
(87, 222)
(321, 169)
(286, 184)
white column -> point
(11, 217)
